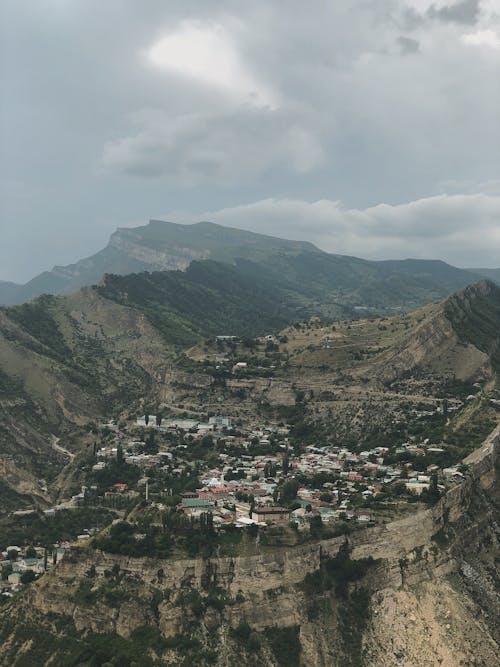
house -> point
(147, 420)
(416, 487)
(120, 487)
(278, 515)
(195, 505)
(220, 421)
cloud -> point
(408, 45)
(461, 229)
(119, 110)
(463, 11)
(206, 53)
(253, 96)
(218, 147)
(488, 38)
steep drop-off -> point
(420, 590)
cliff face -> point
(428, 597)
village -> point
(249, 473)
(20, 566)
(279, 486)
(248, 478)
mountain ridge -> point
(160, 246)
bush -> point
(27, 577)
(285, 645)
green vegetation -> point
(285, 644)
(46, 530)
(354, 614)
(207, 299)
(38, 320)
(121, 539)
(170, 532)
(248, 639)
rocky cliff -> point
(419, 590)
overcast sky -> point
(370, 127)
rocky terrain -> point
(420, 590)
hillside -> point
(157, 246)
(417, 391)
(307, 273)
(69, 360)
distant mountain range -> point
(308, 271)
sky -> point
(369, 127)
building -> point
(220, 421)
(278, 515)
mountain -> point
(310, 272)
(68, 360)
(158, 246)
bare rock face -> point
(131, 245)
(436, 344)
(431, 626)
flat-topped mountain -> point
(157, 246)
(310, 272)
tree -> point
(151, 446)
(289, 490)
(146, 419)
(158, 420)
(316, 525)
(432, 494)
(269, 469)
(30, 552)
(286, 465)
(27, 577)
(120, 459)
